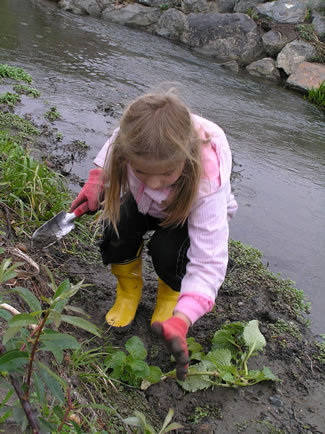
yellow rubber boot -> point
(166, 302)
(128, 293)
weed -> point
(320, 356)
(307, 33)
(20, 128)
(26, 90)
(9, 98)
(317, 96)
(52, 114)
(204, 411)
(81, 144)
(30, 187)
(59, 137)
(15, 73)
(140, 421)
(164, 6)
(284, 327)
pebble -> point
(276, 401)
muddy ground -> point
(293, 405)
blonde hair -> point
(155, 127)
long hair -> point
(154, 127)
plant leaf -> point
(253, 337)
(154, 374)
(81, 323)
(173, 426)
(219, 358)
(135, 348)
(64, 286)
(140, 368)
(10, 333)
(196, 382)
(57, 342)
(53, 382)
(168, 418)
(11, 360)
(29, 298)
(22, 320)
(115, 360)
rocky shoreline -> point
(281, 40)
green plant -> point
(317, 96)
(164, 6)
(15, 73)
(53, 114)
(307, 32)
(20, 128)
(30, 187)
(9, 98)
(29, 336)
(140, 421)
(131, 368)
(226, 364)
(26, 90)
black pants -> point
(167, 247)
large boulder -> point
(294, 53)
(81, 7)
(264, 68)
(171, 24)
(284, 11)
(318, 22)
(245, 5)
(133, 15)
(224, 37)
(306, 76)
(275, 39)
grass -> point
(53, 114)
(317, 96)
(20, 129)
(307, 33)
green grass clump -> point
(19, 127)
(9, 98)
(15, 73)
(26, 90)
(29, 187)
(317, 95)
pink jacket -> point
(207, 222)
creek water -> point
(83, 65)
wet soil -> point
(293, 405)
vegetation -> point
(14, 73)
(52, 114)
(307, 33)
(9, 98)
(317, 96)
(26, 90)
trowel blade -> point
(54, 229)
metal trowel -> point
(54, 229)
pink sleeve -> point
(101, 156)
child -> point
(167, 170)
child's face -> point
(156, 174)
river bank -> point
(282, 40)
(250, 292)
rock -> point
(133, 15)
(81, 7)
(276, 401)
(232, 65)
(273, 42)
(294, 53)
(224, 37)
(171, 24)
(318, 22)
(306, 76)
(224, 6)
(198, 6)
(284, 11)
(245, 5)
(264, 68)
(160, 3)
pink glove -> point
(88, 198)
(173, 331)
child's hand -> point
(173, 331)
(88, 198)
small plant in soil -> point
(9, 98)
(131, 368)
(53, 114)
(26, 90)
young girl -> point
(167, 170)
